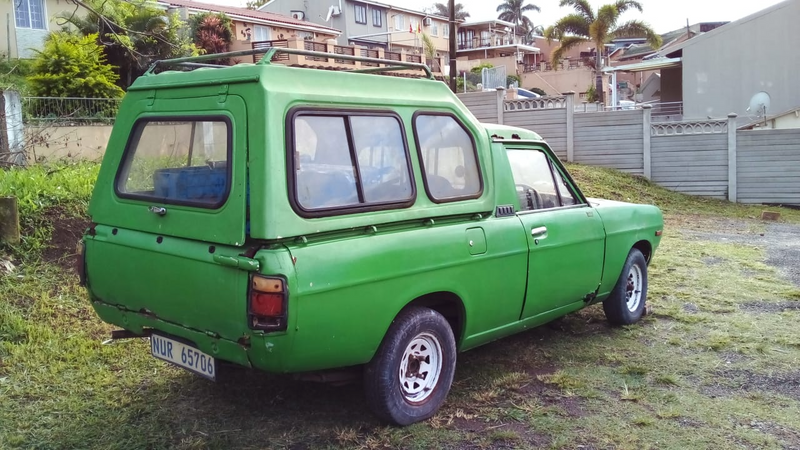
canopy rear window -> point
(178, 161)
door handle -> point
(539, 232)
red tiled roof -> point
(289, 22)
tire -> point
(393, 389)
(626, 304)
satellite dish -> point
(759, 104)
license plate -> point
(183, 355)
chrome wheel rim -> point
(633, 289)
(420, 367)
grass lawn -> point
(715, 364)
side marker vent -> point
(505, 211)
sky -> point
(662, 15)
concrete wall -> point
(509, 62)
(692, 163)
(724, 68)
(547, 123)
(561, 81)
(610, 140)
(768, 166)
(708, 158)
(482, 104)
(86, 142)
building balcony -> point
(335, 63)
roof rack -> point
(269, 52)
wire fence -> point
(69, 109)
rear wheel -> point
(626, 304)
(410, 376)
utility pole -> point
(453, 47)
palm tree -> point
(585, 26)
(529, 35)
(514, 11)
(442, 9)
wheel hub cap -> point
(420, 367)
(633, 289)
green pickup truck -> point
(297, 220)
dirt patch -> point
(691, 308)
(62, 250)
(786, 384)
(783, 250)
(769, 307)
(712, 260)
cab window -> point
(448, 157)
(344, 161)
(182, 162)
(538, 184)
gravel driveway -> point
(781, 241)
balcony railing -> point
(282, 43)
(483, 42)
(393, 56)
(368, 53)
(316, 47)
(343, 50)
(333, 50)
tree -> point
(255, 4)
(514, 11)
(443, 10)
(212, 33)
(429, 49)
(71, 65)
(529, 34)
(133, 34)
(585, 26)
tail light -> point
(267, 303)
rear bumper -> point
(262, 352)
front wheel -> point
(626, 304)
(409, 377)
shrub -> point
(212, 32)
(73, 66)
(591, 94)
(479, 68)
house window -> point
(414, 24)
(434, 29)
(377, 17)
(399, 22)
(261, 33)
(446, 31)
(361, 14)
(466, 39)
(30, 14)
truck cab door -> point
(566, 238)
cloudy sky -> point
(663, 15)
